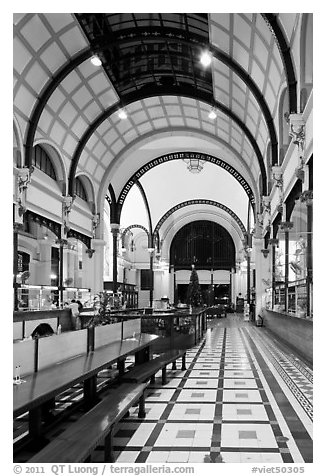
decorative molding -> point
(67, 203)
(90, 252)
(23, 178)
(95, 223)
(286, 225)
(299, 172)
(277, 176)
(266, 203)
(194, 163)
(185, 155)
(79, 236)
(62, 242)
(43, 221)
(297, 130)
(265, 252)
(307, 197)
(126, 230)
(199, 201)
(273, 241)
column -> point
(62, 243)
(233, 289)
(248, 258)
(151, 253)
(115, 233)
(44, 268)
(286, 273)
(172, 284)
(15, 264)
(262, 262)
(307, 198)
(98, 265)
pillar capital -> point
(67, 203)
(17, 227)
(97, 243)
(23, 178)
(115, 228)
(23, 175)
(307, 197)
(257, 241)
(297, 129)
(266, 200)
(95, 223)
(277, 175)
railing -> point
(178, 330)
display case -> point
(36, 298)
(81, 294)
(297, 298)
(279, 298)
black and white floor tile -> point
(242, 399)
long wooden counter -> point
(43, 386)
(295, 331)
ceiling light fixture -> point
(212, 114)
(194, 162)
(206, 58)
(95, 60)
(122, 114)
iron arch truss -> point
(184, 155)
(199, 201)
(109, 41)
(130, 227)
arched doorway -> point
(210, 247)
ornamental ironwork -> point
(43, 221)
(203, 243)
(79, 236)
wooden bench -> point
(77, 442)
(147, 370)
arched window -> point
(80, 189)
(206, 244)
(42, 161)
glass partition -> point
(297, 291)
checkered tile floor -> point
(244, 398)
(238, 401)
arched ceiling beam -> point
(130, 227)
(171, 230)
(143, 194)
(149, 34)
(183, 155)
(164, 33)
(132, 97)
(199, 201)
(285, 51)
(112, 201)
(45, 96)
(166, 132)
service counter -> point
(296, 332)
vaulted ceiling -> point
(151, 68)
